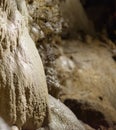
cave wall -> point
(76, 17)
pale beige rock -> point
(23, 90)
(3, 125)
(61, 117)
(14, 128)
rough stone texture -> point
(48, 55)
(45, 19)
(88, 74)
(45, 24)
(61, 118)
(23, 90)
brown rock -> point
(46, 15)
(89, 88)
(75, 15)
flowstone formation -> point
(45, 25)
(23, 90)
(24, 100)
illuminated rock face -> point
(23, 90)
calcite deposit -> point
(44, 18)
(87, 73)
(80, 70)
(23, 88)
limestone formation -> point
(45, 24)
(23, 90)
(89, 82)
(61, 118)
(44, 18)
(65, 118)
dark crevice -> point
(103, 15)
(85, 113)
(114, 58)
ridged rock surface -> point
(23, 90)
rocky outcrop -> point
(23, 90)
(61, 117)
(88, 74)
(45, 24)
(44, 19)
(65, 118)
